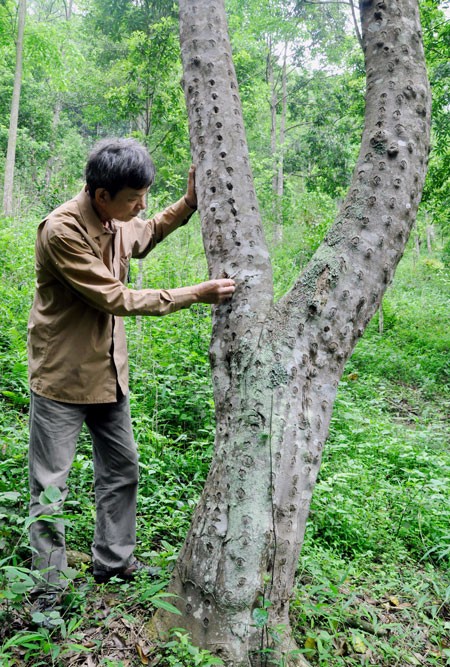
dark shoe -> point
(44, 611)
(102, 576)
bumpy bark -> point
(276, 367)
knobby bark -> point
(276, 367)
(8, 186)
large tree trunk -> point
(276, 367)
(8, 186)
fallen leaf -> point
(142, 654)
(310, 644)
(127, 623)
(117, 641)
(394, 600)
(358, 644)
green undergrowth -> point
(373, 586)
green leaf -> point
(9, 495)
(16, 398)
(260, 616)
(358, 644)
(43, 517)
(162, 604)
(19, 587)
(50, 495)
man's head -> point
(118, 175)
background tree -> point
(8, 185)
(437, 190)
(276, 367)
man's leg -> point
(116, 479)
(54, 429)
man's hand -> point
(191, 197)
(215, 291)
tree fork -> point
(276, 368)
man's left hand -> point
(191, 197)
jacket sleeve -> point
(147, 233)
(74, 263)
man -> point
(78, 363)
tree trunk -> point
(380, 319)
(8, 187)
(278, 236)
(430, 238)
(282, 135)
(51, 160)
(276, 368)
(273, 138)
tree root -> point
(288, 654)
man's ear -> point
(102, 196)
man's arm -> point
(148, 233)
(74, 263)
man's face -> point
(124, 206)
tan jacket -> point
(76, 337)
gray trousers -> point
(54, 430)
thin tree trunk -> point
(273, 136)
(430, 238)
(68, 7)
(8, 188)
(51, 159)
(282, 136)
(139, 283)
(276, 368)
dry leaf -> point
(394, 600)
(142, 654)
(358, 644)
(118, 641)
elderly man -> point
(78, 362)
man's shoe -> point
(102, 576)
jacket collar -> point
(89, 217)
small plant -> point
(179, 652)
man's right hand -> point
(215, 291)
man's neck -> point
(104, 218)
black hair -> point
(115, 164)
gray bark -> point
(430, 238)
(8, 186)
(278, 233)
(51, 160)
(276, 367)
